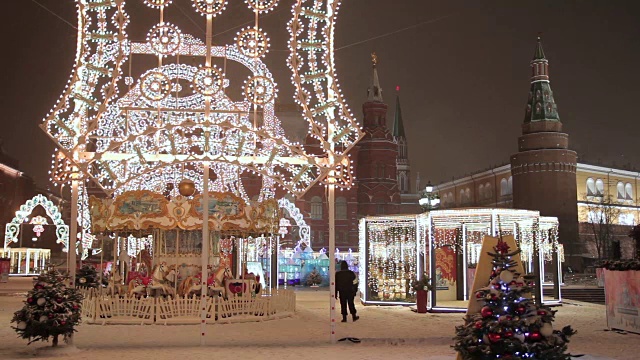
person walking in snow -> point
(345, 288)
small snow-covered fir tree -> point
(510, 325)
(50, 310)
(87, 277)
(314, 278)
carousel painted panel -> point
(141, 209)
(100, 212)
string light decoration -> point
(252, 42)
(157, 3)
(304, 230)
(459, 230)
(137, 127)
(209, 7)
(165, 39)
(391, 260)
(262, 6)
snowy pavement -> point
(386, 333)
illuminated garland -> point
(124, 139)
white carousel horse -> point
(138, 286)
(192, 285)
(113, 287)
(159, 283)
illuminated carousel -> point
(157, 132)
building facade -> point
(15, 187)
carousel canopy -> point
(144, 210)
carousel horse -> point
(138, 286)
(113, 287)
(192, 285)
(159, 284)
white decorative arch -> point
(12, 229)
(305, 230)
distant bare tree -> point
(601, 222)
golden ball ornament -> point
(186, 187)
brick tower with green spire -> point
(544, 169)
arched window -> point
(620, 188)
(591, 187)
(341, 208)
(481, 191)
(467, 195)
(451, 199)
(599, 187)
(629, 191)
(402, 182)
(510, 184)
(462, 197)
(316, 208)
(504, 187)
(488, 191)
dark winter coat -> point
(345, 280)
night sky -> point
(463, 72)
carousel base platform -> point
(110, 310)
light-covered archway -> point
(296, 215)
(12, 229)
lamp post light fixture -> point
(429, 199)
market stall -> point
(445, 244)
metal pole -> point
(205, 254)
(73, 232)
(464, 260)
(332, 258)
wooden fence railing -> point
(97, 308)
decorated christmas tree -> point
(87, 277)
(510, 325)
(314, 278)
(51, 310)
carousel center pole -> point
(205, 254)
(205, 198)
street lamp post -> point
(429, 199)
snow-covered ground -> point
(386, 333)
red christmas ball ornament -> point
(542, 312)
(29, 300)
(479, 294)
(496, 286)
(513, 283)
(486, 311)
(58, 300)
(50, 316)
(493, 337)
(535, 336)
(75, 307)
(520, 310)
(493, 273)
(63, 322)
(509, 317)
(478, 325)
(508, 334)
